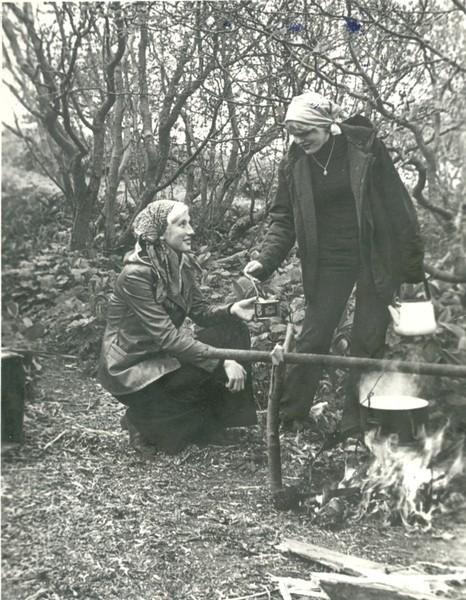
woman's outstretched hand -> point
(244, 309)
(236, 375)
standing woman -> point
(174, 393)
(340, 197)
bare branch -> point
(443, 275)
(418, 188)
(459, 5)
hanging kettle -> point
(414, 317)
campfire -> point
(398, 483)
(409, 482)
(407, 477)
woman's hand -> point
(253, 268)
(244, 309)
(236, 375)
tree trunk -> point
(81, 231)
(115, 163)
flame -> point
(404, 481)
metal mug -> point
(266, 308)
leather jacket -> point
(143, 339)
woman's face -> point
(309, 137)
(179, 231)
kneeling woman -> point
(175, 394)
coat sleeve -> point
(402, 216)
(137, 289)
(281, 234)
(203, 313)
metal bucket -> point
(405, 416)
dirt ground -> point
(85, 516)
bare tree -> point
(190, 93)
(48, 93)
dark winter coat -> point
(390, 241)
(143, 339)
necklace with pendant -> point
(324, 167)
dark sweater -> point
(336, 218)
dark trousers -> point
(190, 404)
(323, 314)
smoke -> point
(389, 384)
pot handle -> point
(397, 296)
(257, 289)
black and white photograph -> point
(233, 321)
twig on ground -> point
(37, 594)
(267, 590)
(55, 439)
(43, 353)
(284, 592)
(256, 595)
(98, 431)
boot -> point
(136, 441)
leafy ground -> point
(85, 516)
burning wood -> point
(400, 482)
(408, 482)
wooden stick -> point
(55, 439)
(97, 431)
(342, 362)
(38, 594)
(273, 408)
(43, 353)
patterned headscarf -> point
(313, 109)
(148, 227)
(151, 222)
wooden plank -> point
(337, 561)
(343, 587)
(418, 586)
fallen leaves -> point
(84, 516)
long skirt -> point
(190, 405)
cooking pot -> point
(404, 415)
(414, 317)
